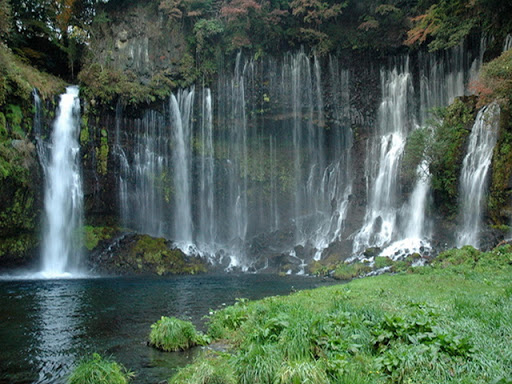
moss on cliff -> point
(102, 154)
(446, 152)
(16, 249)
(499, 203)
(94, 235)
(19, 209)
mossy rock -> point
(133, 254)
(157, 257)
(346, 271)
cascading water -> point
(232, 205)
(304, 85)
(475, 167)
(414, 234)
(335, 187)
(443, 76)
(148, 192)
(207, 229)
(124, 169)
(508, 43)
(269, 162)
(379, 226)
(63, 192)
(181, 123)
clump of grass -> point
(258, 363)
(298, 372)
(98, 370)
(213, 369)
(171, 334)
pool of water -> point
(47, 326)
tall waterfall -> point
(181, 122)
(475, 167)
(207, 229)
(232, 119)
(383, 159)
(63, 192)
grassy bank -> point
(450, 322)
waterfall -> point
(444, 75)
(207, 220)
(335, 187)
(63, 192)
(414, 234)
(475, 167)
(124, 169)
(181, 125)
(303, 83)
(379, 226)
(263, 163)
(149, 191)
(508, 43)
(232, 119)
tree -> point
(311, 14)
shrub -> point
(171, 334)
(99, 371)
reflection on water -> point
(58, 324)
(46, 327)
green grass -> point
(171, 334)
(98, 370)
(449, 322)
(212, 369)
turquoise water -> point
(47, 326)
